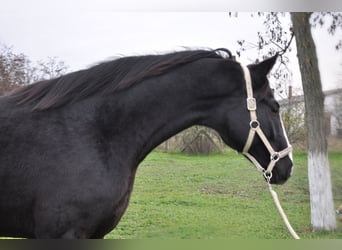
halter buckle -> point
(251, 104)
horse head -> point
(252, 123)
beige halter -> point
(255, 128)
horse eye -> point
(276, 107)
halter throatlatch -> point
(255, 129)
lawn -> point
(219, 196)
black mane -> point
(106, 78)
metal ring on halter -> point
(275, 157)
(254, 124)
(268, 176)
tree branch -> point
(283, 51)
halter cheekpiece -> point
(255, 129)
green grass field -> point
(218, 197)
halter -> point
(255, 129)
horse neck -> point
(152, 111)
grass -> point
(218, 197)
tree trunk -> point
(321, 199)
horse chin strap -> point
(255, 129)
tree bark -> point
(321, 199)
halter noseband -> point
(255, 128)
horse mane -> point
(106, 78)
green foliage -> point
(218, 197)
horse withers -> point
(70, 146)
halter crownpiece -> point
(255, 129)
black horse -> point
(70, 146)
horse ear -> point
(264, 67)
